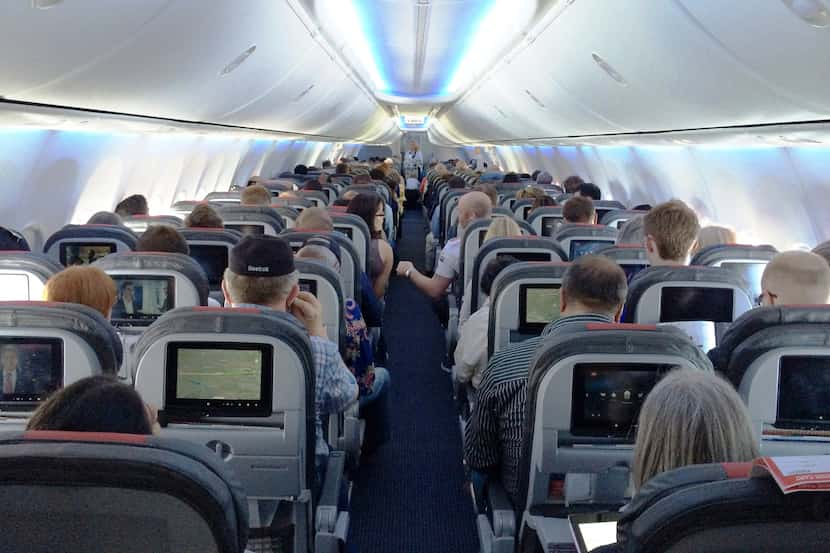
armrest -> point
(351, 439)
(331, 527)
(504, 517)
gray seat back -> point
(252, 219)
(23, 275)
(524, 299)
(266, 415)
(356, 230)
(325, 284)
(139, 223)
(545, 220)
(747, 261)
(180, 497)
(211, 249)
(631, 257)
(349, 261)
(579, 239)
(616, 217)
(83, 244)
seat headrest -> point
(771, 327)
(154, 261)
(111, 232)
(31, 262)
(195, 234)
(652, 276)
(263, 214)
(192, 474)
(85, 322)
(720, 252)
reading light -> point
(813, 12)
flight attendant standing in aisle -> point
(413, 162)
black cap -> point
(12, 240)
(263, 256)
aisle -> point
(410, 496)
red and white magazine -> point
(795, 474)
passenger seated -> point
(455, 183)
(500, 227)
(317, 219)
(300, 169)
(132, 205)
(95, 404)
(203, 216)
(261, 273)
(162, 238)
(579, 210)
(373, 382)
(510, 178)
(572, 184)
(543, 201)
(86, 285)
(671, 229)
(544, 178)
(689, 418)
(256, 195)
(589, 190)
(11, 240)
(490, 191)
(471, 350)
(105, 218)
(593, 291)
(314, 185)
(714, 235)
(471, 206)
(790, 278)
(370, 208)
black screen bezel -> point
(243, 228)
(63, 253)
(710, 302)
(524, 325)
(213, 284)
(600, 243)
(311, 283)
(194, 409)
(539, 256)
(582, 428)
(796, 423)
(346, 231)
(25, 402)
(551, 223)
(146, 321)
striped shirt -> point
(495, 431)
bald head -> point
(473, 205)
(796, 278)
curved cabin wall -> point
(51, 178)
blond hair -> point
(88, 286)
(501, 227)
(255, 195)
(691, 417)
(674, 227)
(314, 218)
(797, 278)
(714, 235)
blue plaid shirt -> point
(335, 386)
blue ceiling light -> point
(355, 21)
(468, 38)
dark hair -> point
(132, 205)
(326, 164)
(456, 182)
(105, 218)
(493, 269)
(596, 282)
(642, 207)
(362, 178)
(203, 216)
(342, 169)
(510, 177)
(365, 206)
(162, 238)
(591, 190)
(579, 209)
(93, 404)
(11, 240)
(572, 184)
(300, 169)
(312, 184)
(377, 174)
(534, 175)
(543, 201)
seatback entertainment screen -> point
(213, 259)
(76, 253)
(538, 306)
(142, 299)
(30, 369)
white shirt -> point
(450, 260)
(10, 380)
(471, 351)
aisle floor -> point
(410, 495)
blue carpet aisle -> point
(410, 495)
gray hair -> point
(632, 231)
(319, 253)
(691, 417)
(259, 290)
(544, 178)
(105, 218)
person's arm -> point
(433, 287)
(336, 385)
(372, 309)
(471, 350)
(388, 258)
